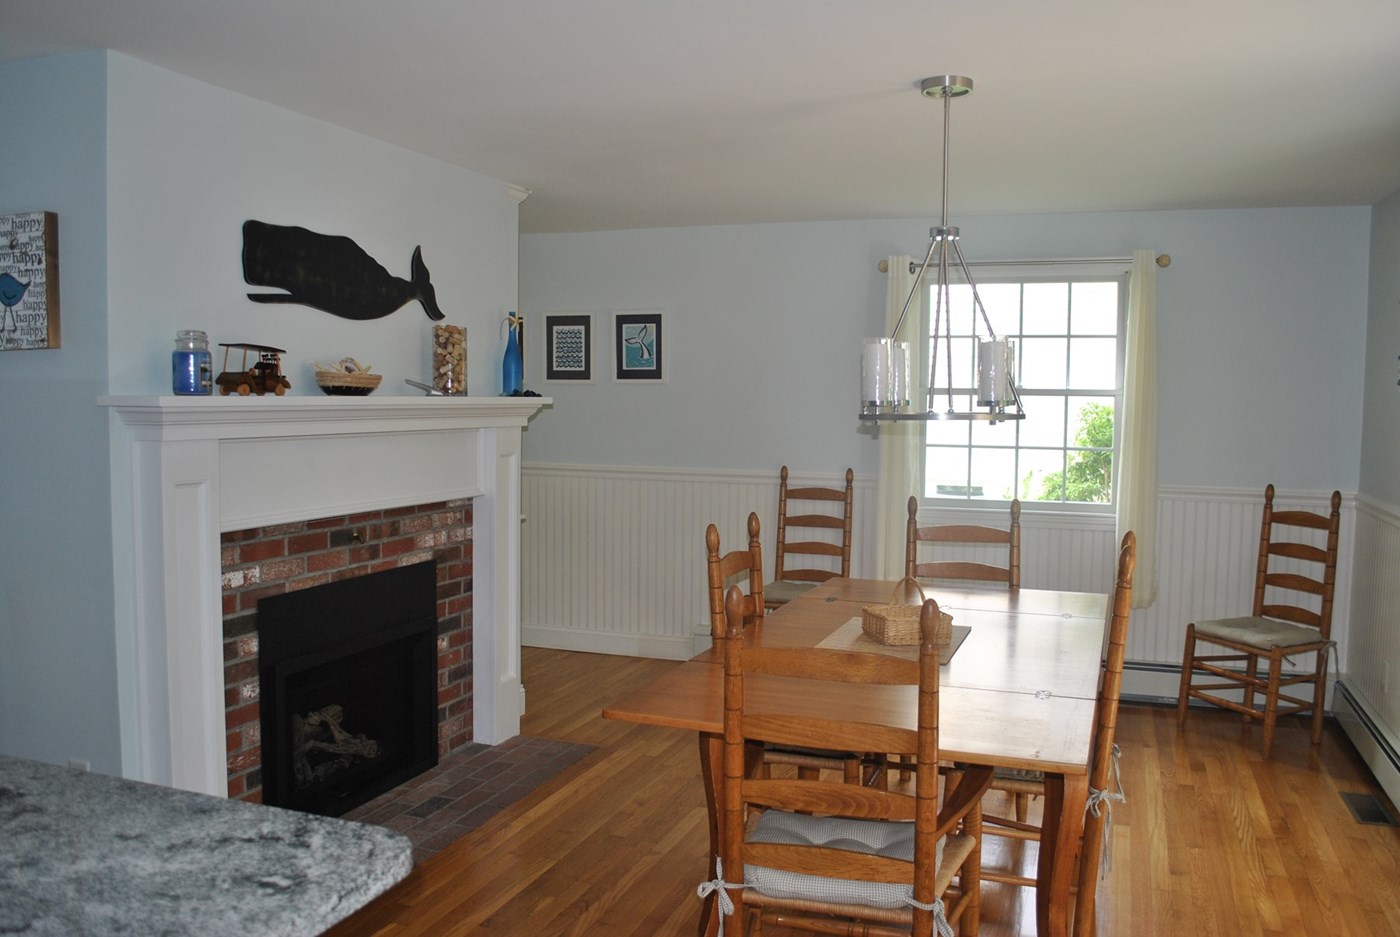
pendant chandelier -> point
(886, 389)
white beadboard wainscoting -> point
(1368, 701)
(613, 558)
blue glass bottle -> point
(512, 365)
(191, 368)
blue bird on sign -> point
(11, 289)
(11, 292)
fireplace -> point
(185, 469)
(348, 672)
(264, 563)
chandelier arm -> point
(913, 290)
(947, 295)
(933, 345)
(976, 296)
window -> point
(1066, 323)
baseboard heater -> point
(1373, 744)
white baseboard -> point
(595, 642)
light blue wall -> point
(152, 175)
(1380, 448)
(58, 695)
(190, 163)
(1262, 334)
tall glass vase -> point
(512, 365)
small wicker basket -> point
(352, 383)
(899, 624)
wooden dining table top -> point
(1019, 692)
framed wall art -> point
(568, 347)
(638, 346)
(29, 281)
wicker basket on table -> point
(899, 624)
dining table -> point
(1018, 691)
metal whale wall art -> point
(329, 272)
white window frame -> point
(1028, 272)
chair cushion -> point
(1260, 632)
(876, 837)
(785, 590)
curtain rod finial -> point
(1164, 260)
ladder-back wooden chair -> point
(814, 853)
(721, 568)
(940, 567)
(794, 571)
(1291, 565)
(747, 563)
(974, 536)
(1103, 768)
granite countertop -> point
(89, 854)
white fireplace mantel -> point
(185, 469)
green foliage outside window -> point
(1088, 476)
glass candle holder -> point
(996, 362)
(884, 376)
(191, 367)
(450, 359)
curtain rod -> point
(1163, 261)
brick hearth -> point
(271, 560)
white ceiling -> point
(642, 113)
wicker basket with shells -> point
(347, 377)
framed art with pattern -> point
(568, 347)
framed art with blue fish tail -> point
(638, 347)
(29, 281)
(568, 347)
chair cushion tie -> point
(940, 919)
(1104, 799)
(1327, 649)
(718, 887)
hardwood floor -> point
(1212, 839)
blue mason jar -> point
(191, 367)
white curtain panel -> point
(900, 442)
(1137, 456)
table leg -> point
(1059, 845)
(712, 774)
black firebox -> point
(349, 685)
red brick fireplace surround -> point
(271, 560)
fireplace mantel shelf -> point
(186, 468)
(214, 411)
